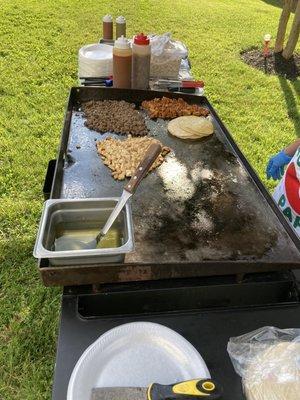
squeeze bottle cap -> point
(107, 18)
(121, 20)
(122, 43)
(141, 39)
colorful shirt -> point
(287, 193)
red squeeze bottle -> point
(141, 57)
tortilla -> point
(274, 374)
(190, 127)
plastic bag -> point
(163, 45)
(268, 360)
(166, 56)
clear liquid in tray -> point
(79, 235)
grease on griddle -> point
(176, 180)
(214, 213)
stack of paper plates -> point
(95, 60)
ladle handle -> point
(151, 155)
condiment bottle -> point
(122, 61)
(141, 56)
(107, 27)
(120, 26)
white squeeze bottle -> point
(107, 27)
(122, 57)
(120, 26)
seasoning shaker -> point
(107, 27)
(120, 26)
(141, 57)
(122, 61)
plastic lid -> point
(141, 39)
(121, 20)
(107, 18)
(122, 43)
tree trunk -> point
(285, 15)
(294, 35)
(294, 5)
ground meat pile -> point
(171, 108)
(114, 116)
(124, 156)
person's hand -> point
(275, 167)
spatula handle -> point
(151, 155)
(194, 389)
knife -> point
(177, 83)
(194, 389)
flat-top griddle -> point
(202, 212)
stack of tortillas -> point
(274, 374)
(190, 127)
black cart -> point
(206, 300)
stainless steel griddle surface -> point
(201, 204)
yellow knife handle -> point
(188, 390)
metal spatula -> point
(67, 243)
(195, 389)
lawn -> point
(38, 65)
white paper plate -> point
(97, 51)
(135, 354)
(95, 60)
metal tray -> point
(207, 213)
(87, 212)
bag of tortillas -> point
(268, 360)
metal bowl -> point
(87, 214)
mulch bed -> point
(274, 63)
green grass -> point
(38, 64)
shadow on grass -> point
(275, 3)
(290, 99)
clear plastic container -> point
(166, 56)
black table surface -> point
(208, 330)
